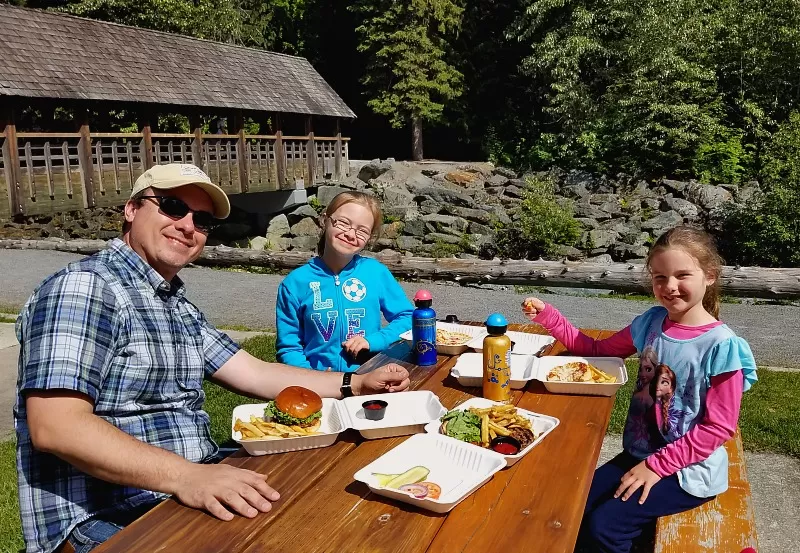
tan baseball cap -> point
(174, 175)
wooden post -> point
(11, 164)
(337, 168)
(311, 152)
(146, 147)
(197, 145)
(280, 155)
(242, 152)
(85, 161)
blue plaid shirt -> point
(109, 326)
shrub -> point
(543, 226)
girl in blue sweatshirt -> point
(330, 309)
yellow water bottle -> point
(497, 360)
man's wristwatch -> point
(346, 389)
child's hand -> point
(638, 476)
(532, 307)
(355, 345)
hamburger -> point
(296, 406)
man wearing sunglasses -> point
(109, 415)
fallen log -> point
(754, 282)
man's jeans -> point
(90, 533)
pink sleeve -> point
(718, 426)
(618, 345)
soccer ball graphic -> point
(354, 290)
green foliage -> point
(315, 205)
(544, 224)
(724, 159)
(407, 73)
(445, 249)
(766, 231)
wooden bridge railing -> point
(50, 172)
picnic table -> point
(537, 504)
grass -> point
(244, 328)
(769, 422)
(6, 319)
(519, 289)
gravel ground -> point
(233, 298)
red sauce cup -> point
(505, 445)
(374, 409)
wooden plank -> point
(280, 159)
(219, 170)
(48, 135)
(29, 171)
(337, 167)
(157, 151)
(99, 155)
(311, 154)
(228, 162)
(347, 158)
(11, 164)
(115, 158)
(48, 164)
(197, 144)
(183, 152)
(170, 152)
(725, 524)
(129, 151)
(85, 164)
(66, 168)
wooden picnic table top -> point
(537, 503)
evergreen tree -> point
(408, 76)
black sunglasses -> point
(177, 209)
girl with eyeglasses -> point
(329, 310)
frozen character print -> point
(662, 391)
(648, 362)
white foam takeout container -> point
(542, 425)
(406, 413)
(524, 343)
(476, 333)
(468, 370)
(458, 468)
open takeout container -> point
(474, 333)
(468, 370)
(542, 426)
(458, 468)
(522, 343)
(406, 413)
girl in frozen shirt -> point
(673, 465)
(329, 310)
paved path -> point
(230, 298)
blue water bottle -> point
(423, 329)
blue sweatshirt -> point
(317, 311)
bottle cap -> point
(423, 298)
(496, 324)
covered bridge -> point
(50, 60)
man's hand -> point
(214, 487)
(355, 344)
(389, 378)
(638, 476)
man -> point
(109, 415)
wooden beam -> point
(11, 163)
(85, 161)
(242, 152)
(280, 154)
(146, 147)
(337, 168)
(753, 282)
(196, 122)
(311, 153)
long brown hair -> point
(663, 369)
(368, 201)
(700, 245)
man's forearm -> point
(105, 452)
(247, 375)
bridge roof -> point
(51, 55)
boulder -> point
(585, 210)
(636, 238)
(306, 227)
(600, 199)
(418, 181)
(569, 252)
(416, 227)
(300, 213)
(479, 215)
(446, 223)
(279, 225)
(674, 185)
(684, 208)
(602, 238)
(577, 177)
(392, 230)
(602, 258)
(477, 228)
(748, 192)
(397, 196)
(576, 191)
(499, 214)
(662, 222)
(463, 178)
(327, 193)
(258, 243)
(445, 196)
(429, 207)
(383, 243)
(622, 251)
(498, 180)
(612, 208)
(304, 243)
(587, 223)
(373, 169)
(707, 196)
(514, 191)
(408, 243)
(350, 181)
(442, 237)
(651, 203)
(504, 172)
(406, 213)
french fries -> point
(499, 421)
(258, 429)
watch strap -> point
(346, 389)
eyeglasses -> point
(345, 225)
(176, 208)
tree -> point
(407, 73)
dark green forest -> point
(703, 89)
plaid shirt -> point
(109, 326)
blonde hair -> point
(367, 200)
(700, 245)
